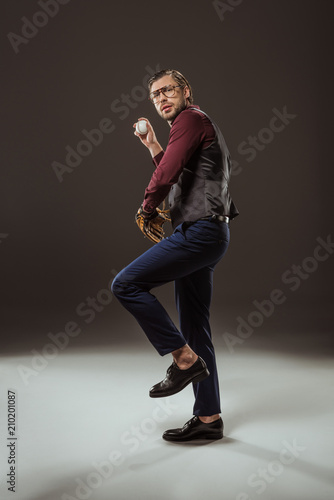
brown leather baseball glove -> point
(151, 224)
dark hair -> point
(178, 77)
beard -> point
(176, 110)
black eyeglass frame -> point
(161, 91)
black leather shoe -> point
(196, 429)
(177, 379)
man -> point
(194, 170)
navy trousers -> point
(187, 257)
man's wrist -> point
(155, 149)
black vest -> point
(202, 188)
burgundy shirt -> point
(190, 130)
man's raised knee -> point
(117, 286)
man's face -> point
(169, 107)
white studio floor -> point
(87, 429)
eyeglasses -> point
(168, 91)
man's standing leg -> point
(193, 298)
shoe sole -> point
(207, 437)
(195, 380)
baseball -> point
(141, 127)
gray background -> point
(60, 241)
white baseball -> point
(141, 127)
